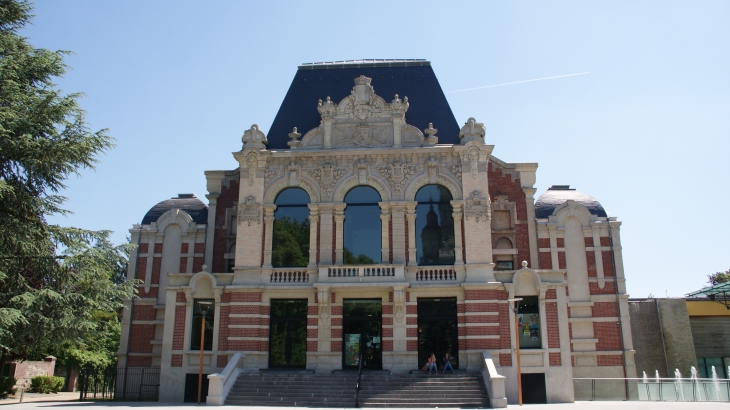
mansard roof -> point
(186, 202)
(414, 79)
(556, 195)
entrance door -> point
(361, 331)
(288, 334)
(437, 330)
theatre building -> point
(369, 227)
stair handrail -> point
(357, 386)
(220, 384)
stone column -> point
(531, 228)
(397, 215)
(313, 229)
(325, 234)
(456, 207)
(268, 233)
(339, 221)
(216, 324)
(214, 181)
(411, 215)
(596, 233)
(327, 140)
(385, 232)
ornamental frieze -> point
(477, 206)
(249, 211)
(397, 174)
(327, 176)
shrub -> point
(7, 385)
(46, 384)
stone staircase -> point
(379, 389)
(423, 390)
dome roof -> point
(186, 202)
(556, 195)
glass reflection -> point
(434, 226)
(290, 239)
(361, 233)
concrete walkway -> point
(605, 405)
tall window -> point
(434, 226)
(202, 308)
(361, 233)
(290, 239)
(288, 333)
(528, 317)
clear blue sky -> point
(646, 132)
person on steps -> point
(432, 364)
(447, 364)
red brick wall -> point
(158, 248)
(229, 195)
(141, 268)
(144, 312)
(607, 263)
(543, 243)
(178, 334)
(589, 241)
(610, 360)
(223, 323)
(560, 242)
(605, 241)
(176, 361)
(222, 360)
(546, 260)
(561, 260)
(608, 335)
(553, 329)
(139, 361)
(551, 294)
(505, 359)
(156, 264)
(608, 288)
(604, 309)
(141, 337)
(555, 359)
(500, 184)
(591, 262)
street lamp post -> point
(203, 306)
(515, 308)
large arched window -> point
(434, 226)
(290, 239)
(361, 233)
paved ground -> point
(611, 405)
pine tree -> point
(53, 280)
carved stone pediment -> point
(249, 211)
(362, 120)
(478, 206)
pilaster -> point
(326, 227)
(411, 215)
(339, 240)
(313, 229)
(269, 210)
(458, 216)
(385, 234)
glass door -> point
(438, 331)
(288, 334)
(361, 332)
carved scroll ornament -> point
(249, 211)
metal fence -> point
(120, 383)
(652, 389)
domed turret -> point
(186, 202)
(556, 195)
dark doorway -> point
(437, 330)
(288, 333)
(361, 331)
(191, 388)
(533, 388)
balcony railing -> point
(289, 276)
(362, 271)
(435, 274)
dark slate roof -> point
(556, 195)
(186, 202)
(414, 79)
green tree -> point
(54, 281)
(348, 258)
(718, 277)
(290, 243)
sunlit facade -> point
(378, 226)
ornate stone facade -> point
(365, 141)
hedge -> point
(46, 384)
(7, 385)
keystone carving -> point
(327, 176)
(249, 211)
(477, 206)
(397, 174)
(432, 169)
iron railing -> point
(120, 383)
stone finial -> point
(294, 135)
(399, 105)
(431, 138)
(524, 264)
(326, 107)
(254, 138)
(204, 268)
(472, 131)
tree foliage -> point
(290, 243)
(718, 277)
(45, 300)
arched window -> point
(290, 239)
(361, 233)
(434, 226)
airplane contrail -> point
(517, 82)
